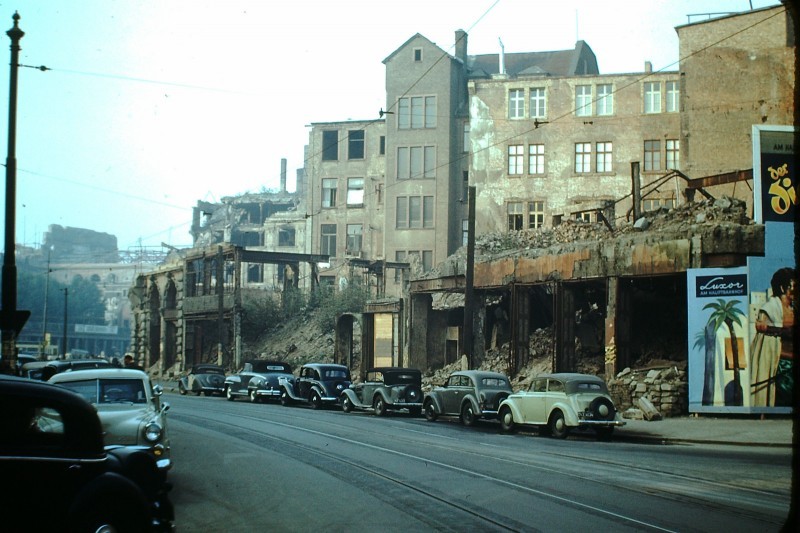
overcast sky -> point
(152, 105)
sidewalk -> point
(741, 431)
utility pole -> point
(469, 293)
(11, 320)
(64, 349)
(44, 312)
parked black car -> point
(317, 384)
(258, 380)
(468, 394)
(386, 389)
(205, 379)
(51, 447)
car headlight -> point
(152, 432)
(339, 387)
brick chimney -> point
(461, 45)
(283, 174)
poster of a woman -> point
(771, 351)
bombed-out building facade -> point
(593, 194)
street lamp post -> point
(11, 320)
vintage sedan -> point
(561, 402)
(58, 476)
(469, 395)
(129, 406)
(258, 380)
(317, 384)
(205, 379)
(386, 389)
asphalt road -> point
(264, 467)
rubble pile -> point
(665, 388)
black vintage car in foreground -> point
(386, 389)
(317, 384)
(258, 380)
(205, 379)
(51, 447)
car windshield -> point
(401, 378)
(494, 383)
(107, 391)
(335, 373)
(586, 386)
(209, 370)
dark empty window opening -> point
(355, 144)
(330, 145)
(417, 54)
(286, 236)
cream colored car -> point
(558, 403)
(129, 406)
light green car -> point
(129, 406)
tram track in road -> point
(594, 470)
(240, 426)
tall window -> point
(382, 145)
(516, 154)
(330, 145)
(327, 239)
(535, 159)
(673, 154)
(515, 216)
(516, 103)
(355, 144)
(353, 244)
(605, 99)
(427, 260)
(535, 215)
(538, 103)
(583, 100)
(464, 231)
(416, 162)
(355, 192)
(652, 97)
(329, 192)
(414, 212)
(583, 157)
(673, 94)
(465, 141)
(652, 155)
(603, 157)
(416, 112)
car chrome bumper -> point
(269, 393)
(601, 423)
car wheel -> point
(604, 433)
(379, 405)
(315, 400)
(415, 411)
(285, 399)
(558, 425)
(198, 392)
(181, 389)
(507, 420)
(228, 394)
(253, 396)
(430, 412)
(468, 414)
(347, 405)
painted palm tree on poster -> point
(725, 312)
